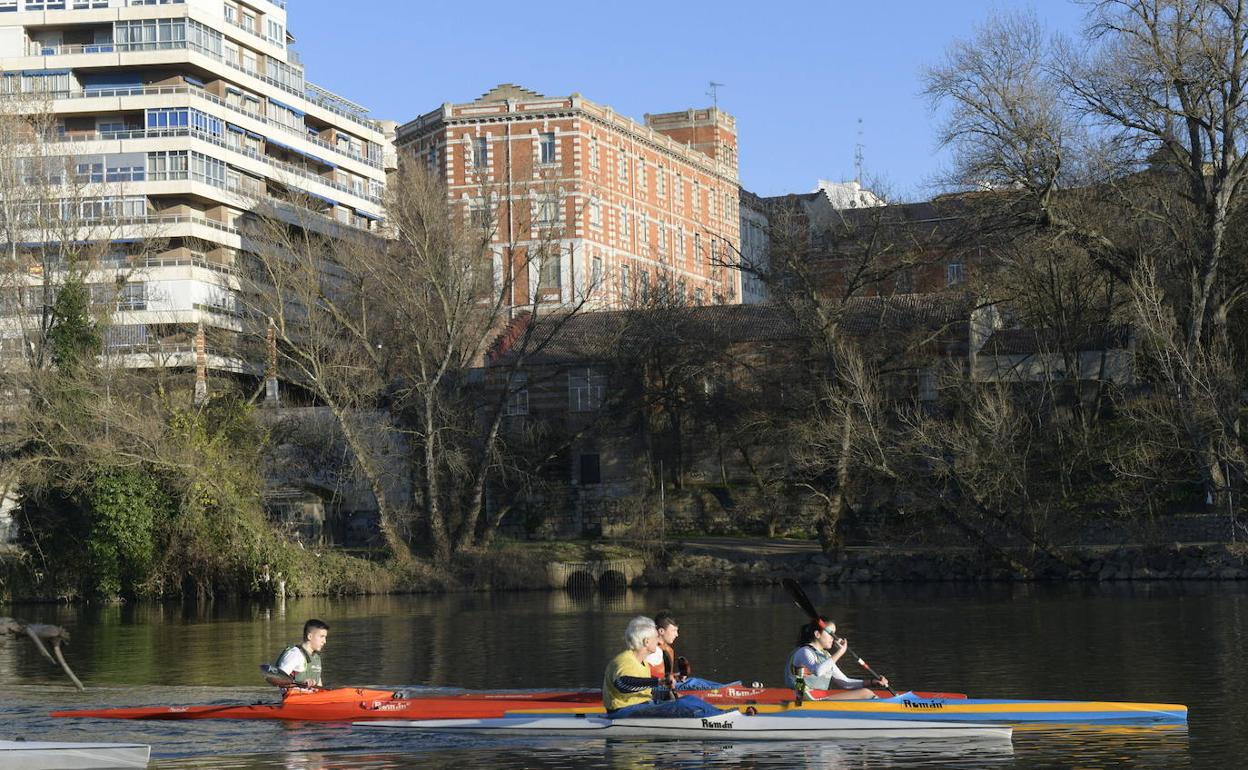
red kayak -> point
(350, 704)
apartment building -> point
(172, 119)
(589, 204)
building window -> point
(626, 283)
(275, 32)
(953, 273)
(593, 154)
(595, 273)
(133, 296)
(591, 471)
(586, 389)
(641, 174)
(547, 148)
(548, 276)
(231, 14)
(518, 395)
(547, 209)
(645, 285)
(623, 224)
(699, 297)
(623, 162)
(660, 182)
(595, 214)
(481, 153)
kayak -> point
(1004, 711)
(347, 704)
(914, 706)
(44, 755)
(731, 725)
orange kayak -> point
(352, 704)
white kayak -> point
(730, 725)
(46, 755)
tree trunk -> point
(433, 506)
(829, 525)
(387, 520)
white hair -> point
(639, 629)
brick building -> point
(588, 204)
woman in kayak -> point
(664, 662)
(627, 684)
(818, 651)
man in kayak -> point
(302, 662)
(628, 685)
(664, 662)
(818, 651)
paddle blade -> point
(799, 597)
(275, 677)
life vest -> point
(311, 673)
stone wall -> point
(1174, 562)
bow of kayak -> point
(48, 755)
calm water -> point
(1176, 643)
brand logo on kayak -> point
(923, 704)
(386, 705)
(717, 724)
(738, 692)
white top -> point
(655, 658)
(292, 662)
(825, 674)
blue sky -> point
(798, 75)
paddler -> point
(628, 685)
(302, 662)
(664, 662)
(819, 648)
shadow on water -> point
(1109, 642)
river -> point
(1145, 641)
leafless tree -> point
(1130, 149)
(389, 334)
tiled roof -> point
(1026, 342)
(597, 335)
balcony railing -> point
(202, 94)
(309, 92)
(204, 136)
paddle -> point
(803, 602)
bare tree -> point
(1146, 123)
(389, 334)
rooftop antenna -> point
(858, 155)
(713, 92)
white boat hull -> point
(45, 755)
(731, 725)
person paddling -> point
(628, 685)
(302, 662)
(665, 663)
(819, 648)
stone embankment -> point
(1175, 562)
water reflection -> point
(1078, 641)
(599, 754)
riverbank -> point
(742, 564)
(518, 566)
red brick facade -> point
(632, 208)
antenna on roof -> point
(858, 155)
(713, 92)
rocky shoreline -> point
(1173, 562)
